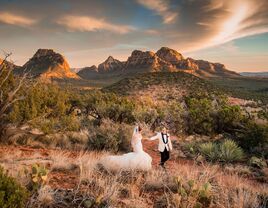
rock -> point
(110, 65)
(188, 64)
(165, 59)
(146, 61)
(47, 64)
(169, 55)
(88, 72)
(36, 132)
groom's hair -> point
(140, 128)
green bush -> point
(254, 139)
(229, 117)
(199, 116)
(110, 106)
(12, 195)
(46, 101)
(209, 150)
(52, 125)
(229, 151)
(226, 151)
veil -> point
(135, 131)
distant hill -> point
(254, 74)
(161, 85)
(47, 64)
(164, 60)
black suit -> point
(165, 153)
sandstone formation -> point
(165, 59)
(110, 65)
(47, 64)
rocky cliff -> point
(110, 65)
(47, 64)
(165, 59)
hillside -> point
(250, 88)
(47, 64)
(161, 85)
(177, 84)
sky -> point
(86, 32)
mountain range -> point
(164, 60)
(47, 64)
(255, 74)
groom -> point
(164, 145)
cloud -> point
(86, 23)
(14, 19)
(162, 8)
(233, 20)
(185, 25)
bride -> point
(138, 159)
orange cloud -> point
(14, 19)
(240, 18)
(161, 7)
(86, 23)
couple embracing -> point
(139, 159)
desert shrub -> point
(110, 136)
(110, 106)
(257, 162)
(254, 139)
(199, 115)
(225, 151)
(229, 117)
(229, 151)
(172, 115)
(263, 114)
(41, 101)
(12, 195)
(209, 150)
(145, 111)
(62, 123)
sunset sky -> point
(233, 32)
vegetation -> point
(244, 87)
(185, 185)
(139, 82)
(77, 119)
(254, 139)
(106, 113)
(226, 151)
(12, 194)
(201, 192)
(10, 87)
(111, 136)
(38, 176)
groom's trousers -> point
(164, 156)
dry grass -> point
(61, 160)
(155, 188)
(45, 196)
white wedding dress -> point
(136, 160)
